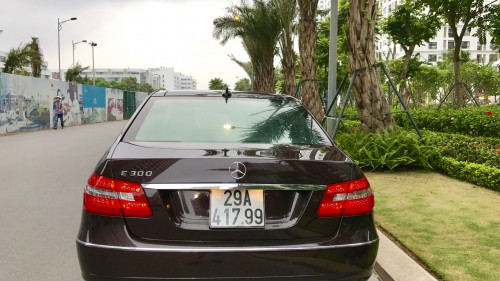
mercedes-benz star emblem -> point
(237, 170)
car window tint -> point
(240, 120)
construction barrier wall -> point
(26, 103)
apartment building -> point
(431, 51)
(160, 77)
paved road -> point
(42, 176)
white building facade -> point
(158, 78)
(432, 51)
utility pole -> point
(332, 66)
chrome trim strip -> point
(226, 186)
(185, 249)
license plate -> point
(239, 208)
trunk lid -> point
(178, 183)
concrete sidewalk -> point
(398, 265)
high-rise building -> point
(432, 51)
(324, 4)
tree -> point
(371, 104)
(286, 11)
(73, 74)
(128, 84)
(468, 14)
(16, 60)
(242, 85)
(36, 57)
(245, 65)
(307, 49)
(410, 25)
(258, 28)
(217, 84)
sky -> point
(128, 33)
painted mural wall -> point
(114, 104)
(26, 103)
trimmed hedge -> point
(478, 174)
(473, 121)
(479, 150)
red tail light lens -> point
(347, 199)
(107, 196)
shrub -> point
(387, 150)
(478, 174)
(473, 121)
(479, 150)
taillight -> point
(347, 199)
(107, 196)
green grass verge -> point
(452, 226)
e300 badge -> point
(136, 173)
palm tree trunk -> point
(288, 64)
(307, 47)
(371, 103)
(264, 78)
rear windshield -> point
(211, 119)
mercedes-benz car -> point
(214, 185)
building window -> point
(3, 59)
(479, 58)
(465, 45)
(450, 33)
(493, 58)
(479, 47)
(432, 58)
(117, 73)
(451, 45)
(433, 45)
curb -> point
(394, 264)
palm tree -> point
(258, 28)
(245, 65)
(36, 57)
(307, 47)
(217, 84)
(73, 73)
(370, 99)
(287, 12)
(17, 59)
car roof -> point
(217, 93)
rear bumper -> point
(352, 262)
(110, 253)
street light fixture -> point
(93, 44)
(59, 27)
(74, 47)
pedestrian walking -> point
(58, 112)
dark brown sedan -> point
(220, 186)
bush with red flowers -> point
(473, 121)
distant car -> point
(221, 186)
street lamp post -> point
(93, 44)
(59, 27)
(74, 47)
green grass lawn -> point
(452, 226)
